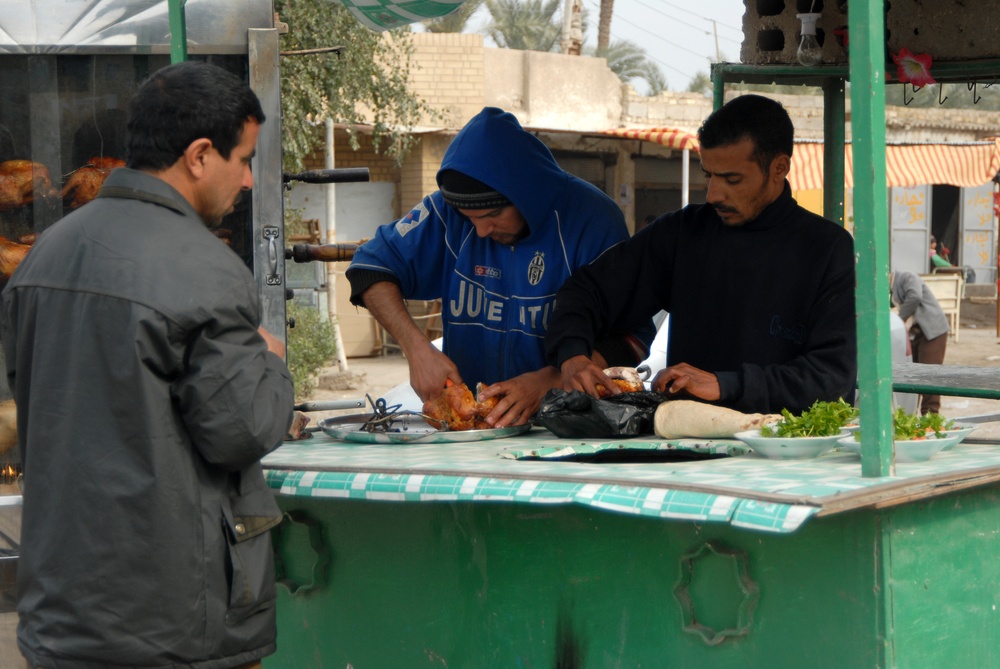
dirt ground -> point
(977, 345)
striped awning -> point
(669, 137)
(963, 165)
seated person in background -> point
(927, 325)
(760, 291)
(506, 229)
(937, 260)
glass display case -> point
(62, 130)
(67, 72)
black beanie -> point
(463, 192)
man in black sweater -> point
(760, 291)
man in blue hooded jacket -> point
(505, 229)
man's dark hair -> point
(761, 120)
(184, 102)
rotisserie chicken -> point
(84, 183)
(459, 409)
(22, 182)
(11, 254)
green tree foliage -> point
(367, 83)
(456, 21)
(700, 83)
(654, 78)
(310, 346)
(524, 24)
(629, 61)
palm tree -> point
(456, 21)
(604, 24)
(654, 78)
(629, 61)
(528, 25)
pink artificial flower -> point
(913, 68)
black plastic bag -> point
(576, 414)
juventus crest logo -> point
(536, 268)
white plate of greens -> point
(806, 435)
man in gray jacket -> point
(147, 394)
(927, 322)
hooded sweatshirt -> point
(498, 298)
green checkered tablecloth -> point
(746, 491)
(386, 14)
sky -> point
(678, 35)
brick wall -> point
(687, 111)
(448, 72)
(418, 176)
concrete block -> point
(771, 31)
(946, 29)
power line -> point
(685, 9)
(659, 37)
(666, 65)
(685, 23)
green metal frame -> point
(178, 31)
(867, 71)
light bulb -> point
(810, 53)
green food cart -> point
(539, 552)
(535, 551)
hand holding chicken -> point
(459, 409)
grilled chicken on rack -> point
(459, 409)
(11, 255)
(84, 182)
(22, 182)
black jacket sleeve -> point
(612, 298)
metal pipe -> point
(355, 174)
(330, 405)
(321, 252)
(330, 176)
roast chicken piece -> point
(22, 182)
(84, 182)
(11, 254)
(459, 409)
(626, 378)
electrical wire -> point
(657, 60)
(685, 9)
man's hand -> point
(582, 373)
(274, 345)
(430, 369)
(687, 379)
(520, 397)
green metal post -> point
(834, 118)
(178, 31)
(718, 86)
(866, 25)
(866, 22)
